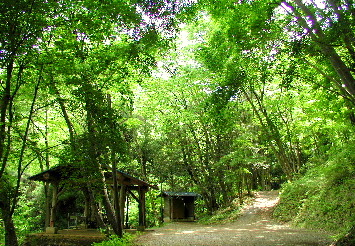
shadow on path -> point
(254, 227)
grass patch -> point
(323, 198)
(225, 215)
(114, 240)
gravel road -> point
(254, 227)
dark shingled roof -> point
(179, 194)
(65, 172)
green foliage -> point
(2, 233)
(29, 215)
(215, 119)
(229, 214)
(114, 240)
(323, 198)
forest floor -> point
(255, 227)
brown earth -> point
(254, 227)
(83, 237)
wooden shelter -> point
(127, 186)
(179, 206)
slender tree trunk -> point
(46, 184)
(9, 200)
(63, 108)
(20, 169)
(10, 231)
(6, 194)
(111, 216)
(347, 85)
(47, 205)
(273, 133)
(114, 219)
(5, 100)
(95, 208)
(53, 209)
(117, 210)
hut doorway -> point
(179, 206)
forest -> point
(221, 98)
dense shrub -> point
(324, 198)
(114, 240)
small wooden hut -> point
(179, 206)
(127, 186)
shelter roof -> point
(127, 179)
(59, 173)
(180, 194)
(54, 174)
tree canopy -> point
(220, 98)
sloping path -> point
(254, 227)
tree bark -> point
(95, 209)
(10, 232)
(54, 204)
(111, 216)
(6, 193)
(5, 100)
(61, 103)
(116, 203)
(273, 133)
(347, 88)
(20, 170)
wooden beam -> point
(55, 187)
(122, 202)
(133, 195)
(47, 196)
(145, 188)
(171, 208)
(129, 187)
(142, 209)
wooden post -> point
(122, 203)
(141, 208)
(87, 211)
(171, 208)
(48, 205)
(54, 204)
(127, 215)
(116, 202)
(52, 229)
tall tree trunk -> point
(8, 200)
(63, 108)
(111, 216)
(46, 184)
(10, 231)
(20, 169)
(277, 145)
(116, 203)
(114, 219)
(309, 21)
(5, 100)
(95, 209)
(6, 194)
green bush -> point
(294, 195)
(2, 233)
(225, 215)
(324, 197)
(221, 216)
(114, 240)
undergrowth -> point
(114, 240)
(324, 198)
(225, 215)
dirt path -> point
(254, 227)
